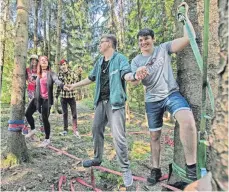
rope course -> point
(62, 178)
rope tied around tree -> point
(23, 8)
(15, 125)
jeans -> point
(155, 110)
(64, 104)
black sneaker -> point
(191, 172)
(91, 162)
(154, 176)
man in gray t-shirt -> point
(162, 93)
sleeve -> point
(167, 46)
(92, 75)
(134, 66)
(75, 77)
(124, 66)
(58, 82)
(58, 89)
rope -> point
(61, 180)
(180, 172)
(15, 125)
(23, 8)
(81, 181)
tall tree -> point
(188, 74)
(219, 135)
(139, 15)
(3, 20)
(44, 7)
(49, 31)
(35, 37)
(16, 145)
(58, 31)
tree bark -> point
(16, 141)
(35, 38)
(3, 21)
(139, 15)
(58, 30)
(45, 31)
(219, 134)
(49, 33)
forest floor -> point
(46, 166)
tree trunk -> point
(44, 22)
(68, 47)
(219, 134)
(122, 15)
(3, 21)
(49, 33)
(139, 15)
(35, 39)
(189, 76)
(16, 145)
(113, 19)
(58, 30)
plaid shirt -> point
(67, 78)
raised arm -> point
(180, 43)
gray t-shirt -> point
(160, 82)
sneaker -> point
(127, 178)
(154, 177)
(63, 133)
(31, 133)
(25, 130)
(45, 143)
(76, 133)
(89, 163)
(191, 172)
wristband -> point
(134, 76)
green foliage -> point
(88, 102)
(140, 150)
(83, 22)
(108, 177)
(8, 71)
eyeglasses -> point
(101, 42)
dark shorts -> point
(155, 110)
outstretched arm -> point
(84, 82)
(180, 43)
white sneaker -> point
(31, 133)
(45, 143)
(76, 133)
(127, 178)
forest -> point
(71, 31)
